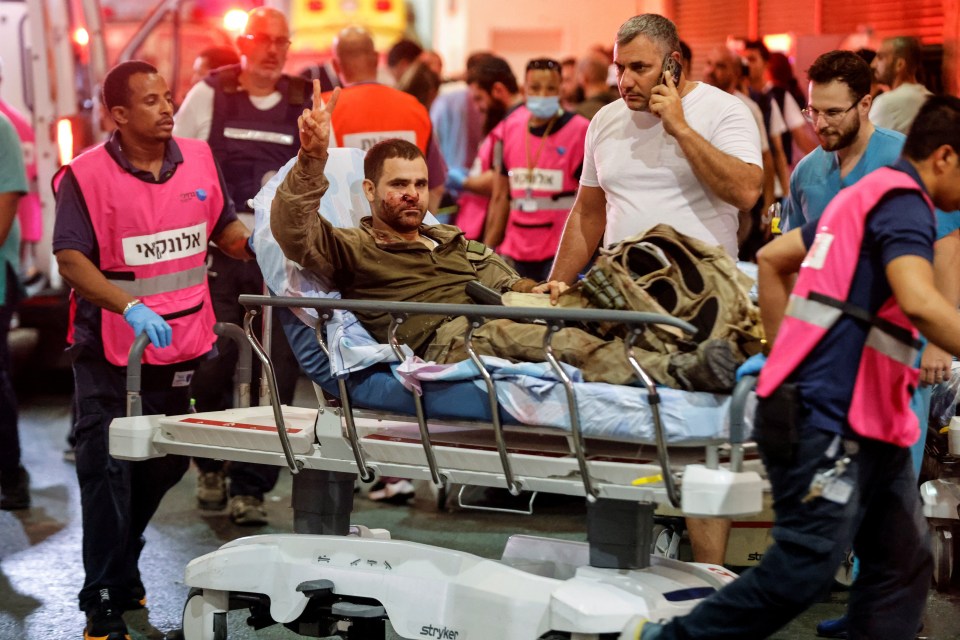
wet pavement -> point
(41, 571)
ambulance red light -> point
(81, 37)
(384, 5)
(235, 20)
(65, 140)
(315, 5)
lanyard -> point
(531, 165)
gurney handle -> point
(271, 378)
(241, 387)
(134, 379)
(738, 403)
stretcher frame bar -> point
(556, 319)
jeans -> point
(117, 497)
(882, 521)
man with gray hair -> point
(896, 66)
(671, 151)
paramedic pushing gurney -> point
(834, 421)
(392, 256)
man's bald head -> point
(261, 16)
(354, 55)
(723, 69)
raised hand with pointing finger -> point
(314, 124)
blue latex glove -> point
(456, 176)
(751, 366)
(143, 318)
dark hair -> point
(909, 50)
(544, 64)
(420, 82)
(685, 52)
(842, 66)
(384, 150)
(488, 72)
(219, 56)
(937, 123)
(116, 84)
(477, 57)
(759, 46)
(404, 50)
(867, 54)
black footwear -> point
(105, 621)
(15, 489)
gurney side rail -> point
(634, 320)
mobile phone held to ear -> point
(672, 67)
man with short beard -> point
(896, 66)
(850, 145)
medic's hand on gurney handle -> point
(135, 357)
(555, 318)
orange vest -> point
(367, 113)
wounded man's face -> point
(401, 195)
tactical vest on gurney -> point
(665, 271)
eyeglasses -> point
(263, 40)
(830, 115)
(543, 63)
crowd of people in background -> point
(542, 167)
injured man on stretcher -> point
(393, 256)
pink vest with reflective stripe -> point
(535, 235)
(886, 378)
(153, 244)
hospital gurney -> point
(323, 585)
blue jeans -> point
(117, 497)
(881, 520)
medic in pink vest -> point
(134, 217)
(542, 158)
(843, 298)
(887, 377)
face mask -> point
(543, 106)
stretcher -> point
(316, 584)
(334, 580)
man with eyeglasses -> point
(248, 113)
(852, 147)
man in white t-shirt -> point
(685, 154)
(896, 66)
(688, 155)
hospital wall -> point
(521, 29)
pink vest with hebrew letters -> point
(535, 235)
(887, 377)
(153, 244)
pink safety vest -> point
(153, 244)
(472, 207)
(535, 235)
(886, 378)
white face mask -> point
(543, 106)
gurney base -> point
(320, 585)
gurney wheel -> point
(942, 557)
(200, 622)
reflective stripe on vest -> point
(886, 376)
(255, 135)
(166, 283)
(563, 202)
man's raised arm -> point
(302, 234)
